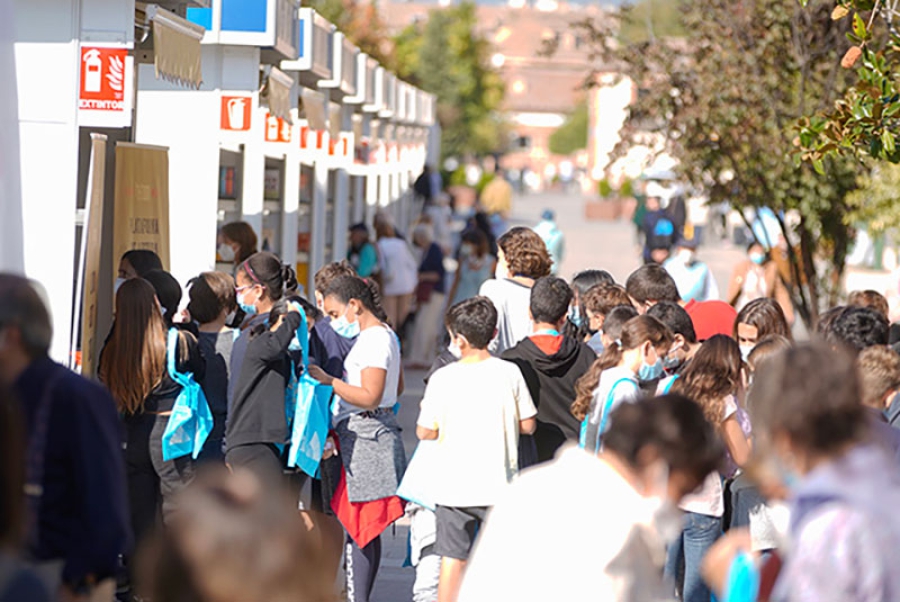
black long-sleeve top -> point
(257, 409)
(83, 512)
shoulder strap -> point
(608, 404)
(171, 347)
(303, 336)
(669, 384)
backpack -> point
(662, 233)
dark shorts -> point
(457, 529)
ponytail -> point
(278, 281)
(366, 291)
(635, 333)
(587, 384)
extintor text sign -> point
(106, 86)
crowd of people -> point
(577, 440)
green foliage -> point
(865, 121)
(572, 135)
(447, 58)
(604, 188)
(877, 202)
(360, 22)
(626, 190)
(649, 19)
(726, 99)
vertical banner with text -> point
(142, 200)
(89, 264)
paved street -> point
(589, 244)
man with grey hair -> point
(75, 474)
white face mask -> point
(117, 285)
(745, 351)
(226, 252)
(685, 256)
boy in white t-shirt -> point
(475, 409)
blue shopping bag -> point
(312, 412)
(191, 419)
(422, 476)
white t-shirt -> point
(512, 300)
(598, 545)
(709, 499)
(399, 269)
(476, 409)
(375, 347)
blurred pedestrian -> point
(133, 365)
(19, 581)
(237, 242)
(233, 538)
(552, 237)
(693, 278)
(619, 512)
(496, 199)
(399, 274)
(659, 232)
(757, 277)
(362, 254)
(523, 258)
(650, 284)
(812, 439)
(475, 266)
(74, 533)
(430, 298)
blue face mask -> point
(345, 327)
(575, 316)
(648, 372)
(671, 363)
(248, 309)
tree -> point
(572, 135)
(726, 100)
(360, 22)
(446, 57)
(865, 121)
(649, 19)
(877, 202)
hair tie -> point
(618, 343)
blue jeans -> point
(684, 555)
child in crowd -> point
(614, 323)
(879, 377)
(212, 303)
(597, 302)
(577, 325)
(551, 364)
(613, 379)
(684, 344)
(476, 458)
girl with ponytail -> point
(614, 376)
(367, 429)
(256, 427)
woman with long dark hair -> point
(367, 429)
(133, 367)
(237, 242)
(261, 368)
(714, 379)
(758, 319)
